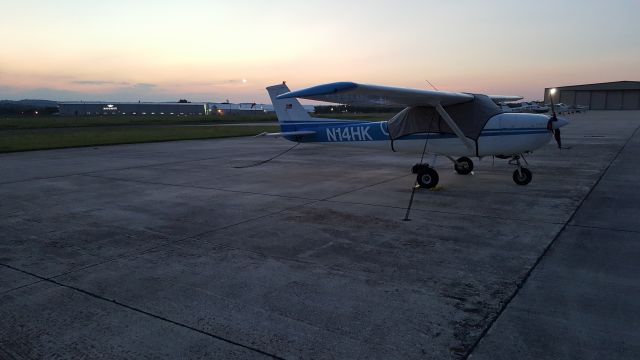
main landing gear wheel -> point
(463, 166)
(428, 178)
(522, 176)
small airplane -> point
(561, 108)
(523, 107)
(455, 125)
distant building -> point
(131, 108)
(618, 95)
(245, 108)
(84, 108)
(235, 109)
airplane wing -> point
(504, 98)
(374, 95)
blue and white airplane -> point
(455, 125)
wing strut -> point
(455, 128)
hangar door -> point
(598, 100)
(583, 98)
(631, 100)
(614, 100)
(568, 97)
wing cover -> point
(471, 117)
(374, 95)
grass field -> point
(52, 132)
(39, 122)
(38, 139)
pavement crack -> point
(604, 228)
(147, 313)
(20, 287)
(174, 242)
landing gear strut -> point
(427, 177)
(522, 175)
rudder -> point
(287, 110)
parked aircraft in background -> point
(562, 108)
(452, 124)
(524, 107)
(578, 108)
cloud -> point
(218, 83)
(131, 92)
(120, 84)
(123, 93)
(100, 82)
(12, 93)
(145, 85)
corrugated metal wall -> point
(614, 100)
(631, 100)
(583, 98)
(568, 97)
(623, 95)
(598, 100)
(601, 100)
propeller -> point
(555, 131)
(556, 135)
(552, 119)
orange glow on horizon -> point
(161, 50)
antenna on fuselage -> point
(433, 86)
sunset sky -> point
(213, 50)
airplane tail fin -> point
(287, 110)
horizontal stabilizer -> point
(287, 133)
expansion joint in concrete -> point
(604, 228)
(521, 284)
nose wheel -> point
(522, 175)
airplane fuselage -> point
(504, 134)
